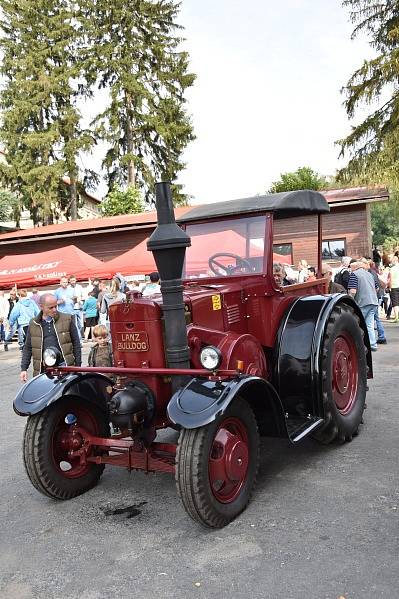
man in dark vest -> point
(50, 329)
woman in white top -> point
(303, 272)
(114, 295)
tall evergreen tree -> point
(373, 145)
(136, 55)
(43, 80)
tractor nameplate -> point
(133, 342)
(216, 302)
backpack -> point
(339, 277)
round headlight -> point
(50, 356)
(210, 357)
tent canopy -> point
(136, 261)
(46, 268)
(139, 261)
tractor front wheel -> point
(217, 464)
(48, 439)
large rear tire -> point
(45, 449)
(217, 464)
(344, 376)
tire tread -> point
(189, 476)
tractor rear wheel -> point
(217, 464)
(344, 376)
(47, 441)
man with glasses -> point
(50, 328)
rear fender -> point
(202, 401)
(42, 391)
(297, 375)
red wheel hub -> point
(345, 373)
(228, 460)
(67, 438)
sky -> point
(267, 96)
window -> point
(333, 249)
(226, 247)
(282, 252)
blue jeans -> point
(78, 316)
(380, 328)
(368, 314)
(11, 333)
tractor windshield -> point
(225, 248)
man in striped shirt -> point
(363, 288)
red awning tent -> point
(282, 258)
(137, 261)
(46, 268)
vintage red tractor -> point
(225, 354)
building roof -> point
(356, 195)
(143, 220)
(76, 227)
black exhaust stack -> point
(168, 244)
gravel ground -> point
(322, 524)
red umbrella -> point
(46, 268)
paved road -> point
(323, 523)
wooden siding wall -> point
(104, 245)
(351, 223)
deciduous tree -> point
(118, 201)
(302, 178)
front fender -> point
(42, 391)
(201, 401)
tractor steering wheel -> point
(242, 265)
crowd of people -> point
(88, 305)
(74, 314)
(62, 320)
(372, 282)
(304, 272)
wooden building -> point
(346, 231)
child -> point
(101, 352)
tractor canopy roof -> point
(283, 205)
